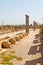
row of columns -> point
(27, 24)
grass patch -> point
(6, 58)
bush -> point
(12, 40)
(5, 44)
(21, 36)
(17, 38)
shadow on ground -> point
(33, 50)
(37, 36)
(35, 41)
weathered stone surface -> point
(27, 23)
(35, 25)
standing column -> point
(27, 24)
(35, 25)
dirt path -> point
(28, 49)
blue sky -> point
(13, 11)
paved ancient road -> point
(29, 49)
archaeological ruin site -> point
(21, 32)
(21, 44)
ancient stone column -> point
(27, 24)
(35, 25)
